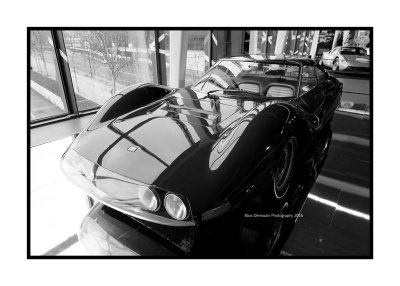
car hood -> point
(181, 144)
(357, 61)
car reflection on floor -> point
(336, 214)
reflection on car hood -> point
(175, 144)
(356, 60)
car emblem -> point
(133, 148)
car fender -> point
(279, 122)
(128, 100)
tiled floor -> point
(335, 215)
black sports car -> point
(184, 171)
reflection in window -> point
(104, 62)
(198, 55)
(46, 92)
(271, 41)
(290, 42)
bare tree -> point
(85, 40)
(107, 43)
(39, 45)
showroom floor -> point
(336, 214)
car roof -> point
(270, 58)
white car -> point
(346, 58)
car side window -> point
(321, 76)
(308, 79)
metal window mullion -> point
(228, 45)
(295, 41)
(211, 48)
(65, 73)
(266, 42)
(157, 51)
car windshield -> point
(251, 77)
(353, 51)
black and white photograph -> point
(199, 143)
(178, 142)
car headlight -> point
(148, 198)
(175, 207)
(122, 193)
(106, 186)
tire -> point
(274, 238)
(284, 169)
(335, 65)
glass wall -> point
(46, 91)
(104, 62)
(84, 68)
(198, 55)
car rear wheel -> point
(284, 168)
(335, 65)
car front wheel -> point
(284, 169)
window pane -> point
(46, 91)
(198, 55)
(104, 62)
